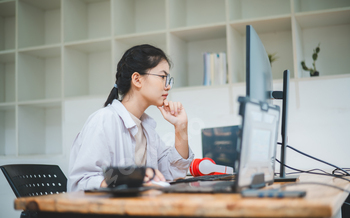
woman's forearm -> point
(181, 140)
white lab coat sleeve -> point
(91, 152)
(170, 163)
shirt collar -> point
(128, 121)
(135, 119)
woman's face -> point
(154, 90)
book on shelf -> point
(215, 68)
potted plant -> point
(313, 71)
(272, 57)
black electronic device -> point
(260, 87)
(219, 144)
(206, 178)
(273, 193)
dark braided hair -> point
(139, 59)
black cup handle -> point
(154, 173)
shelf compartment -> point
(124, 43)
(257, 9)
(186, 51)
(39, 23)
(276, 36)
(186, 13)
(39, 74)
(7, 25)
(138, 16)
(7, 78)
(317, 5)
(87, 69)
(7, 130)
(86, 19)
(332, 30)
(40, 128)
(326, 18)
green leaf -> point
(317, 49)
(304, 66)
(314, 56)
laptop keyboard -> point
(206, 178)
(202, 187)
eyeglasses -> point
(169, 80)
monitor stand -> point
(284, 95)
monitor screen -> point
(219, 144)
(258, 68)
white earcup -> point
(207, 167)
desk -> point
(320, 201)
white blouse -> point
(107, 139)
(140, 143)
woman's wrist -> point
(181, 140)
(180, 126)
(181, 131)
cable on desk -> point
(314, 183)
(335, 172)
(311, 172)
(322, 161)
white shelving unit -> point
(7, 77)
(138, 16)
(51, 51)
(276, 35)
(8, 130)
(39, 74)
(330, 28)
(186, 50)
(86, 19)
(40, 128)
(87, 68)
(255, 9)
(184, 13)
(39, 23)
(7, 25)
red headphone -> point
(207, 166)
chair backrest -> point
(35, 179)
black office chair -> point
(34, 180)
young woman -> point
(121, 134)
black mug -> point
(122, 177)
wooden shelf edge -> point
(40, 102)
(320, 12)
(263, 19)
(326, 77)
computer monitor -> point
(259, 87)
(258, 68)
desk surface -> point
(320, 201)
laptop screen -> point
(257, 145)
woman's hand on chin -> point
(174, 113)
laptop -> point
(256, 151)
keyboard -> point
(206, 178)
